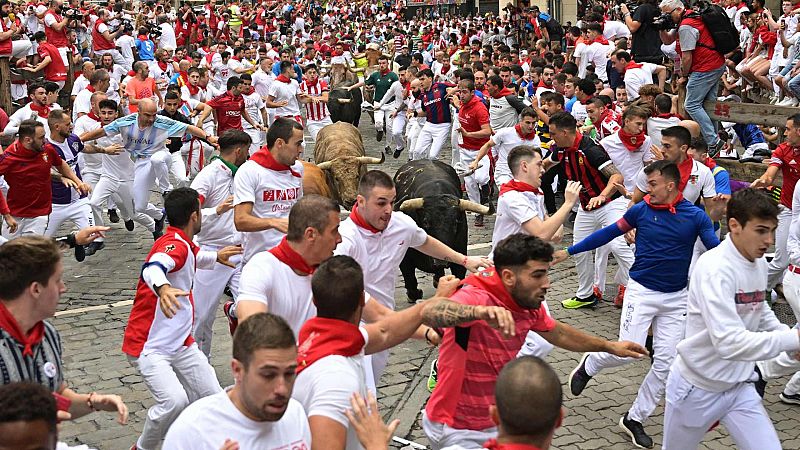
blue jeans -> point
(703, 86)
(794, 85)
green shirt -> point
(382, 83)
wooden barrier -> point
(757, 113)
(5, 86)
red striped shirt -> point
(315, 111)
(584, 164)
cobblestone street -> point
(93, 313)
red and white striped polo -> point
(315, 111)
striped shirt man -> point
(436, 104)
(42, 364)
(142, 143)
(583, 162)
(315, 111)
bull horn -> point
(343, 100)
(371, 159)
(412, 204)
(325, 165)
(467, 205)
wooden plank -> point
(5, 86)
(757, 113)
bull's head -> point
(343, 174)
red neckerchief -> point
(263, 157)
(668, 116)
(519, 186)
(489, 280)
(710, 163)
(631, 141)
(633, 65)
(11, 326)
(445, 68)
(576, 144)
(283, 79)
(320, 337)
(193, 90)
(492, 444)
(90, 88)
(385, 72)
(543, 85)
(360, 222)
(142, 37)
(685, 169)
(599, 40)
(602, 119)
(249, 91)
(741, 6)
(665, 207)
(93, 116)
(41, 111)
(503, 92)
(527, 137)
(163, 66)
(291, 258)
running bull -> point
(340, 158)
(430, 193)
(343, 104)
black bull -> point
(344, 105)
(430, 193)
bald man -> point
(82, 82)
(144, 135)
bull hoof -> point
(414, 295)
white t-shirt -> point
(167, 39)
(597, 54)
(656, 124)
(272, 193)
(636, 78)
(117, 167)
(126, 43)
(506, 139)
(628, 162)
(262, 81)
(379, 254)
(614, 29)
(253, 104)
(82, 104)
(579, 112)
(285, 91)
(214, 183)
(80, 85)
(514, 208)
(209, 421)
(324, 388)
(580, 54)
(701, 181)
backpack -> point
(724, 34)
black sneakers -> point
(635, 430)
(479, 220)
(379, 135)
(397, 153)
(790, 399)
(160, 226)
(94, 247)
(129, 225)
(578, 379)
(113, 216)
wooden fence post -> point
(5, 86)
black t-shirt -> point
(646, 41)
(174, 144)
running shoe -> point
(790, 399)
(434, 375)
(636, 432)
(113, 216)
(576, 303)
(578, 378)
(619, 298)
(233, 322)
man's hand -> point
(624, 8)
(225, 206)
(87, 235)
(12, 224)
(475, 263)
(595, 202)
(572, 192)
(83, 188)
(559, 256)
(447, 286)
(224, 255)
(111, 403)
(113, 149)
(627, 349)
(281, 225)
(682, 81)
(230, 444)
(498, 318)
(473, 165)
(212, 140)
(372, 432)
(630, 236)
(759, 183)
(168, 299)
(559, 235)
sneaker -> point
(578, 378)
(94, 247)
(80, 253)
(597, 292)
(575, 302)
(160, 224)
(233, 322)
(387, 150)
(129, 225)
(773, 99)
(635, 430)
(397, 153)
(164, 196)
(433, 376)
(619, 298)
(790, 399)
(379, 137)
(113, 216)
(479, 221)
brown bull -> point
(314, 181)
(339, 153)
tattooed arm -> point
(615, 180)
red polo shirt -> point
(27, 173)
(229, 111)
(788, 159)
(472, 117)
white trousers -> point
(380, 114)
(191, 152)
(412, 133)
(209, 284)
(175, 381)
(108, 188)
(26, 225)
(399, 131)
(666, 312)
(785, 364)
(145, 173)
(455, 141)
(690, 411)
(315, 125)
(780, 261)
(78, 212)
(478, 178)
(430, 141)
(586, 223)
(20, 48)
(177, 167)
(440, 435)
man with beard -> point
(471, 356)
(259, 408)
(9, 47)
(37, 109)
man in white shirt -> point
(636, 74)
(332, 346)
(258, 410)
(729, 326)
(504, 140)
(82, 81)
(267, 186)
(597, 51)
(167, 39)
(126, 43)
(630, 148)
(283, 94)
(98, 82)
(257, 110)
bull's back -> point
(425, 177)
(338, 140)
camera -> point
(154, 30)
(664, 22)
(73, 14)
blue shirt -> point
(664, 243)
(436, 104)
(276, 70)
(570, 102)
(142, 143)
(146, 49)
